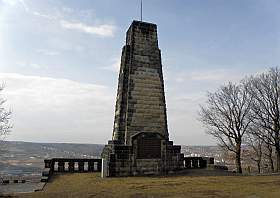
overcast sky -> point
(59, 60)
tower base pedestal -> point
(149, 154)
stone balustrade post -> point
(91, 166)
(61, 167)
(81, 166)
(188, 163)
(205, 163)
(195, 163)
(71, 167)
(49, 163)
(99, 166)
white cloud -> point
(58, 110)
(101, 30)
(68, 10)
(24, 5)
(115, 66)
(215, 75)
(27, 64)
(11, 2)
(16, 2)
(48, 52)
(61, 110)
(49, 17)
(64, 16)
(182, 115)
(37, 66)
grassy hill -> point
(91, 185)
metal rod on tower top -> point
(141, 10)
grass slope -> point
(91, 185)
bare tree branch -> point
(5, 116)
(226, 117)
(264, 90)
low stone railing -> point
(198, 162)
(70, 165)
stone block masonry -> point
(140, 105)
(140, 142)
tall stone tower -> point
(140, 105)
(140, 144)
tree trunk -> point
(238, 157)
(271, 164)
(259, 166)
(277, 148)
(269, 148)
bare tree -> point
(265, 91)
(5, 117)
(4, 123)
(268, 154)
(262, 135)
(256, 145)
(226, 117)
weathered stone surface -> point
(140, 82)
(140, 142)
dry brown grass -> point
(91, 185)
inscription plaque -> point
(148, 148)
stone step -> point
(44, 179)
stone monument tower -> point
(140, 144)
